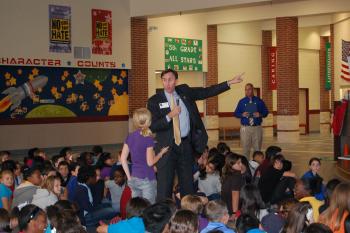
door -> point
(304, 110)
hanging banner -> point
(60, 29)
(183, 54)
(101, 32)
(328, 84)
(345, 63)
(273, 67)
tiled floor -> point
(299, 153)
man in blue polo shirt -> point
(251, 109)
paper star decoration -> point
(53, 90)
(7, 75)
(114, 79)
(97, 83)
(12, 81)
(35, 71)
(79, 78)
(123, 74)
(31, 77)
(120, 81)
(69, 84)
(114, 91)
(66, 73)
(19, 71)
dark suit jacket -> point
(164, 129)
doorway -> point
(304, 111)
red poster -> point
(101, 32)
(273, 67)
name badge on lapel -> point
(164, 105)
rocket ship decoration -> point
(16, 95)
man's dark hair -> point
(250, 84)
(156, 216)
(169, 71)
(136, 206)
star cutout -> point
(63, 89)
(114, 91)
(99, 88)
(69, 84)
(96, 96)
(40, 90)
(123, 74)
(120, 81)
(35, 71)
(12, 81)
(97, 83)
(19, 71)
(7, 75)
(63, 78)
(31, 77)
(66, 73)
(114, 79)
(79, 78)
(53, 90)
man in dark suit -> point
(177, 123)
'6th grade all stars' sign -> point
(183, 54)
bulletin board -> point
(31, 94)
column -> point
(138, 80)
(212, 117)
(287, 79)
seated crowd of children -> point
(90, 192)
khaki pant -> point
(251, 136)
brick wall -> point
(332, 64)
(287, 66)
(324, 94)
(212, 76)
(265, 69)
(138, 81)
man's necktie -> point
(176, 123)
(251, 121)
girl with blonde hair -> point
(49, 193)
(139, 144)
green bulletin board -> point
(183, 54)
